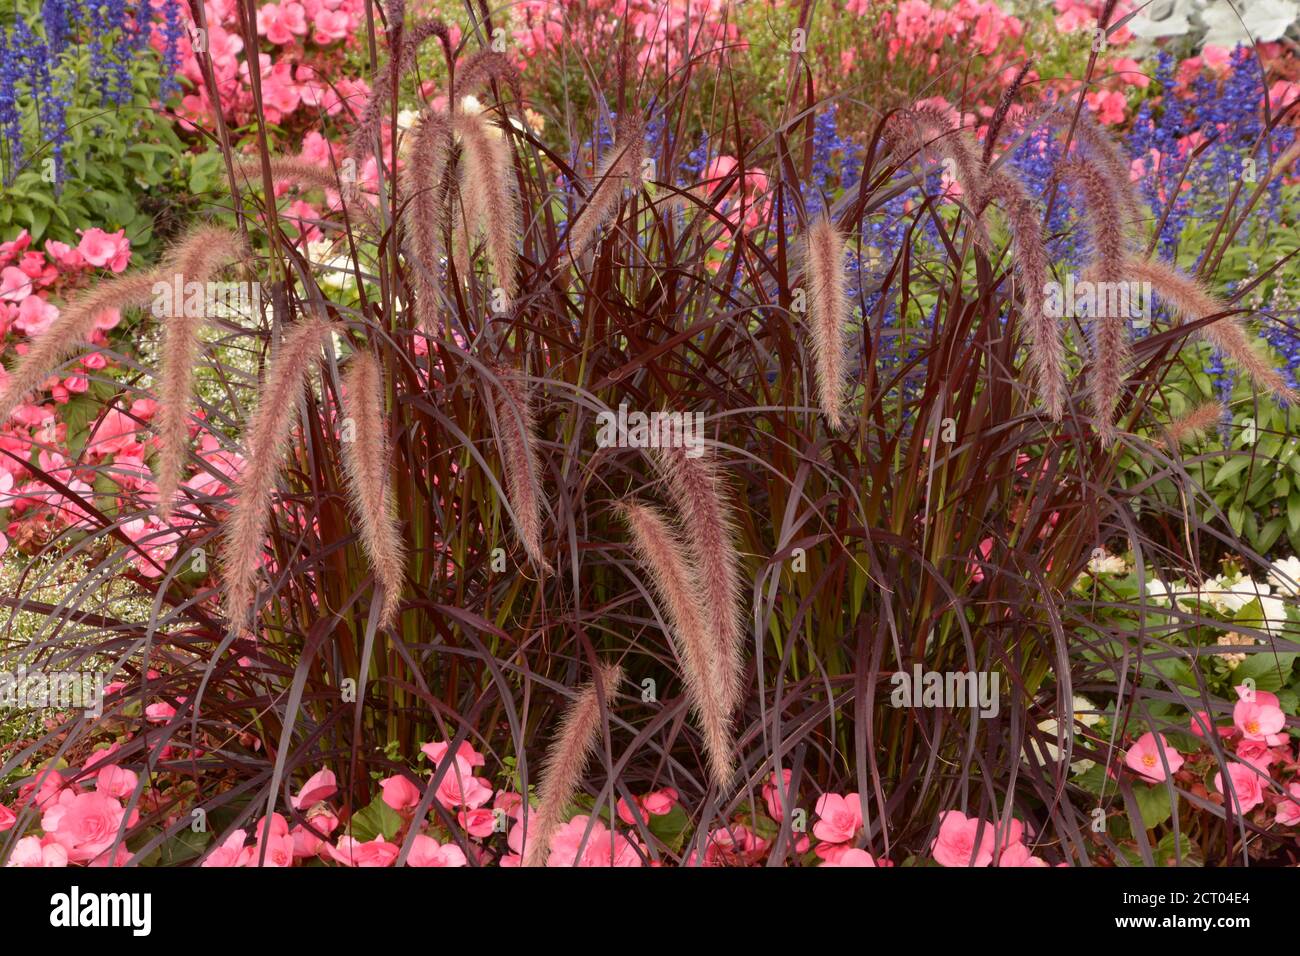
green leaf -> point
(375, 820)
(1234, 466)
(1270, 671)
(1153, 803)
(1269, 534)
(672, 827)
(183, 847)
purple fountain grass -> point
(1193, 303)
(1030, 259)
(620, 169)
(566, 761)
(482, 68)
(1005, 102)
(1101, 149)
(196, 258)
(518, 436)
(267, 441)
(490, 202)
(365, 460)
(1193, 423)
(708, 526)
(365, 135)
(927, 131)
(698, 650)
(425, 223)
(1107, 252)
(828, 315)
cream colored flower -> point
(1285, 576)
(1108, 564)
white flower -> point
(1285, 576)
(1163, 18)
(1231, 598)
(1048, 752)
(1260, 21)
(406, 119)
(336, 267)
(1159, 592)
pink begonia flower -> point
(1282, 94)
(509, 802)
(840, 817)
(660, 802)
(955, 845)
(772, 794)
(32, 851)
(4, 543)
(399, 793)
(1247, 786)
(1130, 72)
(1288, 811)
(602, 847)
(279, 851)
(850, 856)
(734, 845)
(306, 844)
(84, 824)
(426, 851)
(1257, 719)
(478, 823)
(160, 713)
(115, 432)
(1144, 757)
(15, 285)
(1019, 855)
(281, 22)
(64, 254)
(320, 786)
(437, 750)
(35, 315)
(322, 818)
(1217, 58)
(628, 815)
(232, 852)
(459, 787)
(331, 25)
(43, 789)
(1256, 753)
(377, 853)
(117, 782)
(156, 540)
(7, 818)
(111, 858)
(1201, 722)
(1108, 106)
(105, 249)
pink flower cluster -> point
(970, 841)
(305, 40)
(84, 820)
(1263, 757)
(664, 32)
